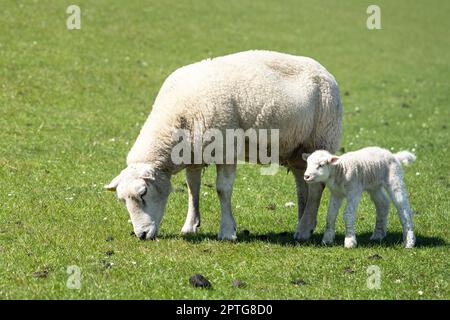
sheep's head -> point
(319, 165)
(144, 191)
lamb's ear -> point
(333, 159)
(112, 186)
(305, 156)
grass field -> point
(73, 101)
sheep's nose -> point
(306, 176)
(143, 235)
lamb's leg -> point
(308, 220)
(193, 181)
(333, 210)
(302, 191)
(350, 217)
(224, 185)
(399, 196)
(381, 202)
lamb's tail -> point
(405, 157)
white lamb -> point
(371, 169)
(246, 90)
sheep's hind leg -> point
(302, 190)
(308, 221)
(193, 181)
(399, 196)
(350, 217)
(224, 185)
(381, 202)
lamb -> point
(371, 169)
(246, 90)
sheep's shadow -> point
(286, 239)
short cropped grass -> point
(72, 103)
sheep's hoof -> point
(302, 236)
(328, 237)
(227, 232)
(350, 242)
(227, 237)
(188, 229)
(378, 236)
(327, 241)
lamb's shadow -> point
(286, 239)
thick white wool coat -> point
(246, 90)
(252, 89)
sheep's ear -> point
(147, 173)
(305, 156)
(333, 160)
(141, 190)
(112, 186)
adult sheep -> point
(252, 89)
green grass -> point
(72, 103)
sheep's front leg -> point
(350, 217)
(224, 185)
(193, 181)
(308, 220)
(333, 210)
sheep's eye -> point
(142, 195)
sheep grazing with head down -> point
(372, 169)
(243, 91)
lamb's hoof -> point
(350, 242)
(188, 229)
(227, 237)
(378, 236)
(410, 240)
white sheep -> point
(252, 89)
(371, 169)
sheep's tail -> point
(405, 157)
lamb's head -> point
(319, 165)
(144, 191)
